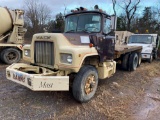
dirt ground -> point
(124, 96)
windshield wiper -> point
(143, 42)
(70, 31)
(139, 42)
(84, 30)
(132, 42)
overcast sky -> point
(58, 6)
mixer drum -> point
(5, 21)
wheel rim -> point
(11, 56)
(135, 62)
(140, 59)
(90, 84)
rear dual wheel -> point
(131, 61)
(139, 59)
(125, 60)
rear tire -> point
(125, 62)
(85, 84)
(1, 55)
(139, 59)
(133, 61)
(10, 55)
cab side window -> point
(107, 26)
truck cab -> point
(88, 22)
(149, 43)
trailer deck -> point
(123, 49)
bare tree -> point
(44, 14)
(114, 6)
(130, 9)
(36, 15)
(158, 11)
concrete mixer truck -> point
(11, 35)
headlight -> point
(69, 58)
(27, 52)
(66, 58)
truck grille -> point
(44, 52)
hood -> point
(146, 48)
(77, 39)
(139, 44)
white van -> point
(149, 43)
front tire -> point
(10, 55)
(151, 58)
(85, 84)
(155, 56)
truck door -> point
(105, 46)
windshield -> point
(83, 23)
(146, 39)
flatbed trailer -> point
(124, 49)
(128, 56)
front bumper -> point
(36, 82)
(146, 55)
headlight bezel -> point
(66, 58)
(27, 52)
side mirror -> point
(113, 22)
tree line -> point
(38, 17)
(147, 21)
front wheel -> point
(85, 84)
(151, 58)
(155, 56)
(10, 55)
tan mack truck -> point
(11, 35)
(78, 58)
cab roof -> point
(83, 12)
